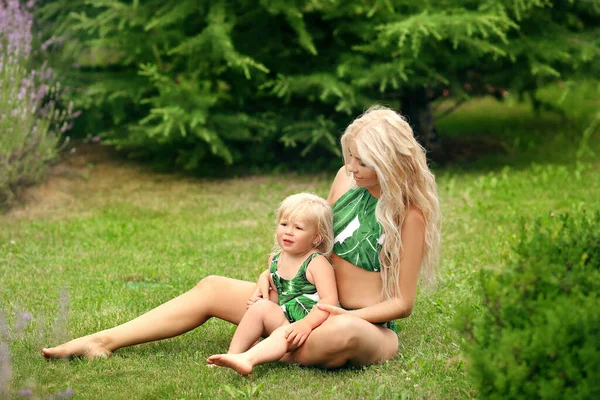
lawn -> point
(105, 240)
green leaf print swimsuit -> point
(297, 296)
(358, 234)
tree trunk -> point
(416, 107)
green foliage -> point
(536, 333)
(26, 145)
(123, 249)
(251, 391)
(32, 117)
(198, 80)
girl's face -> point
(296, 236)
(365, 176)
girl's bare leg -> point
(345, 339)
(270, 349)
(213, 296)
(262, 318)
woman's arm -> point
(401, 306)
(263, 286)
(341, 184)
(273, 295)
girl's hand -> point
(332, 310)
(297, 333)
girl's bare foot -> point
(91, 346)
(237, 362)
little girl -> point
(300, 276)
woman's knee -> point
(342, 332)
(209, 283)
(344, 339)
(262, 307)
(361, 342)
(331, 344)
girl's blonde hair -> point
(385, 142)
(314, 210)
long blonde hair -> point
(315, 211)
(384, 141)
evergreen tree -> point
(235, 78)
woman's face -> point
(365, 176)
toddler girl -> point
(300, 275)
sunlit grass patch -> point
(127, 240)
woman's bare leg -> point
(213, 296)
(345, 339)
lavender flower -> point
(5, 370)
(26, 392)
(62, 319)
(4, 333)
(30, 106)
(22, 322)
(66, 394)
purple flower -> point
(26, 392)
(66, 394)
(5, 368)
(66, 127)
(22, 93)
(32, 105)
(22, 321)
(96, 139)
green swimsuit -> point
(297, 296)
(358, 234)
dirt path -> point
(82, 171)
(93, 176)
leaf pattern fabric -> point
(297, 296)
(358, 234)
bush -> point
(31, 121)
(536, 332)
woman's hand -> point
(261, 291)
(332, 310)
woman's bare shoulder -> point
(414, 224)
(414, 216)
(341, 184)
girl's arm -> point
(401, 306)
(320, 273)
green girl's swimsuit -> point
(358, 234)
(297, 296)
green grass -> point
(120, 240)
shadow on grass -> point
(486, 135)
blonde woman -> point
(386, 228)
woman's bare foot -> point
(91, 346)
(237, 362)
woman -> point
(386, 223)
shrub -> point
(535, 334)
(31, 119)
